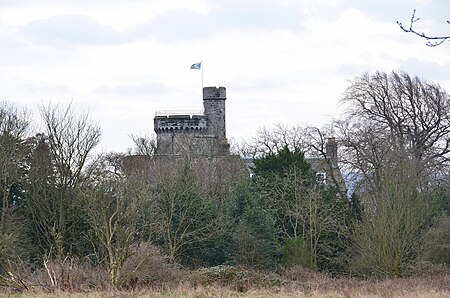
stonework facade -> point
(195, 134)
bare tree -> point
(113, 213)
(432, 41)
(186, 197)
(14, 121)
(302, 209)
(395, 139)
(316, 139)
(183, 214)
(271, 141)
(310, 140)
(71, 138)
(364, 154)
(390, 114)
(305, 213)
(387, 239)
(143, 145)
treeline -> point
(61, 204)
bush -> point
(13, 257)
(72, 275)
(148, 267)
(301, 274)
(427, 269)
(236, 277)
(295, 252)
(437, 242)
(387, 240)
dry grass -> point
(297, 282)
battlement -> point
(178, 112)
(194, 132)
(172, 123)
(214, 93)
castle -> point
(200, 133)
(203, 133)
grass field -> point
(229, 282)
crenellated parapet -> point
(179, 123)
(214, 93)
(194, 132)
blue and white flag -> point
(197, 65)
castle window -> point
(321, 178)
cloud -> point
(274, 82)
(138, 89)
(51, 2)
(171, 25)
(68, 30)
(433, 12)
(47, 89)
(177, 25)
(8, 41)
(258, 14)
(182, 25)
(430, 70)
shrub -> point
(295, 252)
(236, 277)
(70, 274)
(148, 267)
(13, 257)
(437, 242)
(387, 240)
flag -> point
(197, 65)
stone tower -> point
(331, 151)
(194, 133)
(214, 109)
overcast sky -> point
(281, 60)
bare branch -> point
(432, 41)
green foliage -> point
(356, 208)
(296, 252)
(215, 248)
(303, 210)
(334, 251)
(280, 163)
(184, 220)
(282, 180)
(254, 238)
(9, 245)
(442, 199)
(14, 252)
(437, 241)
